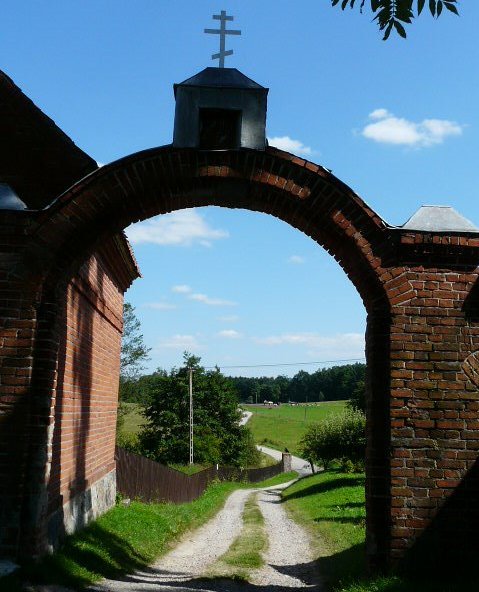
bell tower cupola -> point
(220, 108)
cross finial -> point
(222, 32)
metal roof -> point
(222, 77)
(439, 219)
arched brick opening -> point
(413, 285)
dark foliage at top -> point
(394, 14)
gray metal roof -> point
(439, 219)
(223, 77)
(9, 200)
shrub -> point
(340, 438)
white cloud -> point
(229, 334)
(228, 318)
(289, 145)
(160, 305)
(342, 345)
(211, 301)
(379, 114)
(182, 342)
(182, 228)
(296, 259)
(181, 289)
(389, 129)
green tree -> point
(218, 437)
(394, 14)
(133, 349)
(340, 438)
(133, 354)
(358, 398)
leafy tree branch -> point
(394, 14)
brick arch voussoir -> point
(165, 179)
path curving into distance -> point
(300, 465)
(289, 560)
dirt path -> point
(289, 562)
(289, 559)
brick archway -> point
(414, 285)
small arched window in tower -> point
(220, 129)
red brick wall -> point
(434, 419)
(420, 290)
(83, 409)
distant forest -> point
(328, 384)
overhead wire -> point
(277, 365)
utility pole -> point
(190, 372)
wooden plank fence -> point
(140, 478)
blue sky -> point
(397, 121)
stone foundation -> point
(82, 509)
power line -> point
(286, 364)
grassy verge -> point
(276, 480)
(331, 505)
(189, 469)
(283, 427)
(120, 541)
(125, 539)
(244, 553)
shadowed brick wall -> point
(419, 289)
(83, 410)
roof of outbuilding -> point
(37, 159)
(38, 162)
(439, 219)
(222, 77)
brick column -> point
(18, 322)
(434, 422)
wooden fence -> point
(138, 477)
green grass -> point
(331, 506)
(244, 553)
(189, 469)
(283, 427)
(265, 460)
(122, 540)
(276, 480)
(133, 419)
(126, 538)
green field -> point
(279, 427)
(133, 419)
(283, 427)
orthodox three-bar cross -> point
(222, 32)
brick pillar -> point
(378, 494)
(18, 317)
(435, 424)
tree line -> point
(327, 384)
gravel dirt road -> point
(289, 559)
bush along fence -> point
(140, 478)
